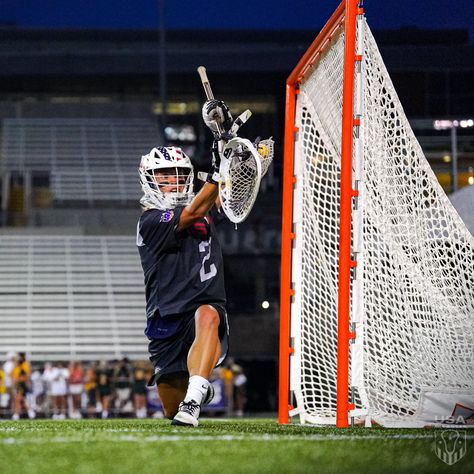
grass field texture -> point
(217, 446)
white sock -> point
(197, 388)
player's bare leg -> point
(172, 390)
(202, 358)
(206, 349)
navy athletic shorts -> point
(170, 355)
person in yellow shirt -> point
(90, 387)
(226, 374)
(3, 388)
(21, 380)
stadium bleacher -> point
(71, 297)
(86, 159)
(71, 185)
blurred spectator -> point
(3, 391)
(139, 392)
(47, 377)
(76, 387)
(21, 381)
(226, 374)
(57, 377)
(104, 386)
(45, 392)
(153, 401)
(90, 388)
(38, 391)
(123, 386)
(8, 367)
(240, 390)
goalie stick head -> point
(166, 177)
(241, 171)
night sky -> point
(231, 14)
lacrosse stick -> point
(207, 89)
(240, 168)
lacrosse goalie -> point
(183, 270)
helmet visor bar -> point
(171, 177)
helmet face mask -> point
(166, 176)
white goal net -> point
(412, 292)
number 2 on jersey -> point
(207, 270)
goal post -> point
(377, 268)
(343, 17)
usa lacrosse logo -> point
(450, 445)
(166, 216)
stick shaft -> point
(205, 82)
(207, 89)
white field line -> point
(232, 438)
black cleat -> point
(209, 395)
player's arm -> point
(199, 206)
(214, 113)
(207, 197)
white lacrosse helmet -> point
(161, 158)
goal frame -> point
(345, 16)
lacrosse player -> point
(184, 280)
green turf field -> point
(217, 446)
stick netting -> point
(317, 165)
(419, 262)
(416, 265)
(240, 180)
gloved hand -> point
(214, 112)
(201, 229)
(214, 175)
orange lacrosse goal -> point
(377, 271)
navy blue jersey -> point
(182, 269)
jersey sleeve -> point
(157, 229)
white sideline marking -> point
(191, 437)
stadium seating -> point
(96, 186)
(71, 297)
(87, 159)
